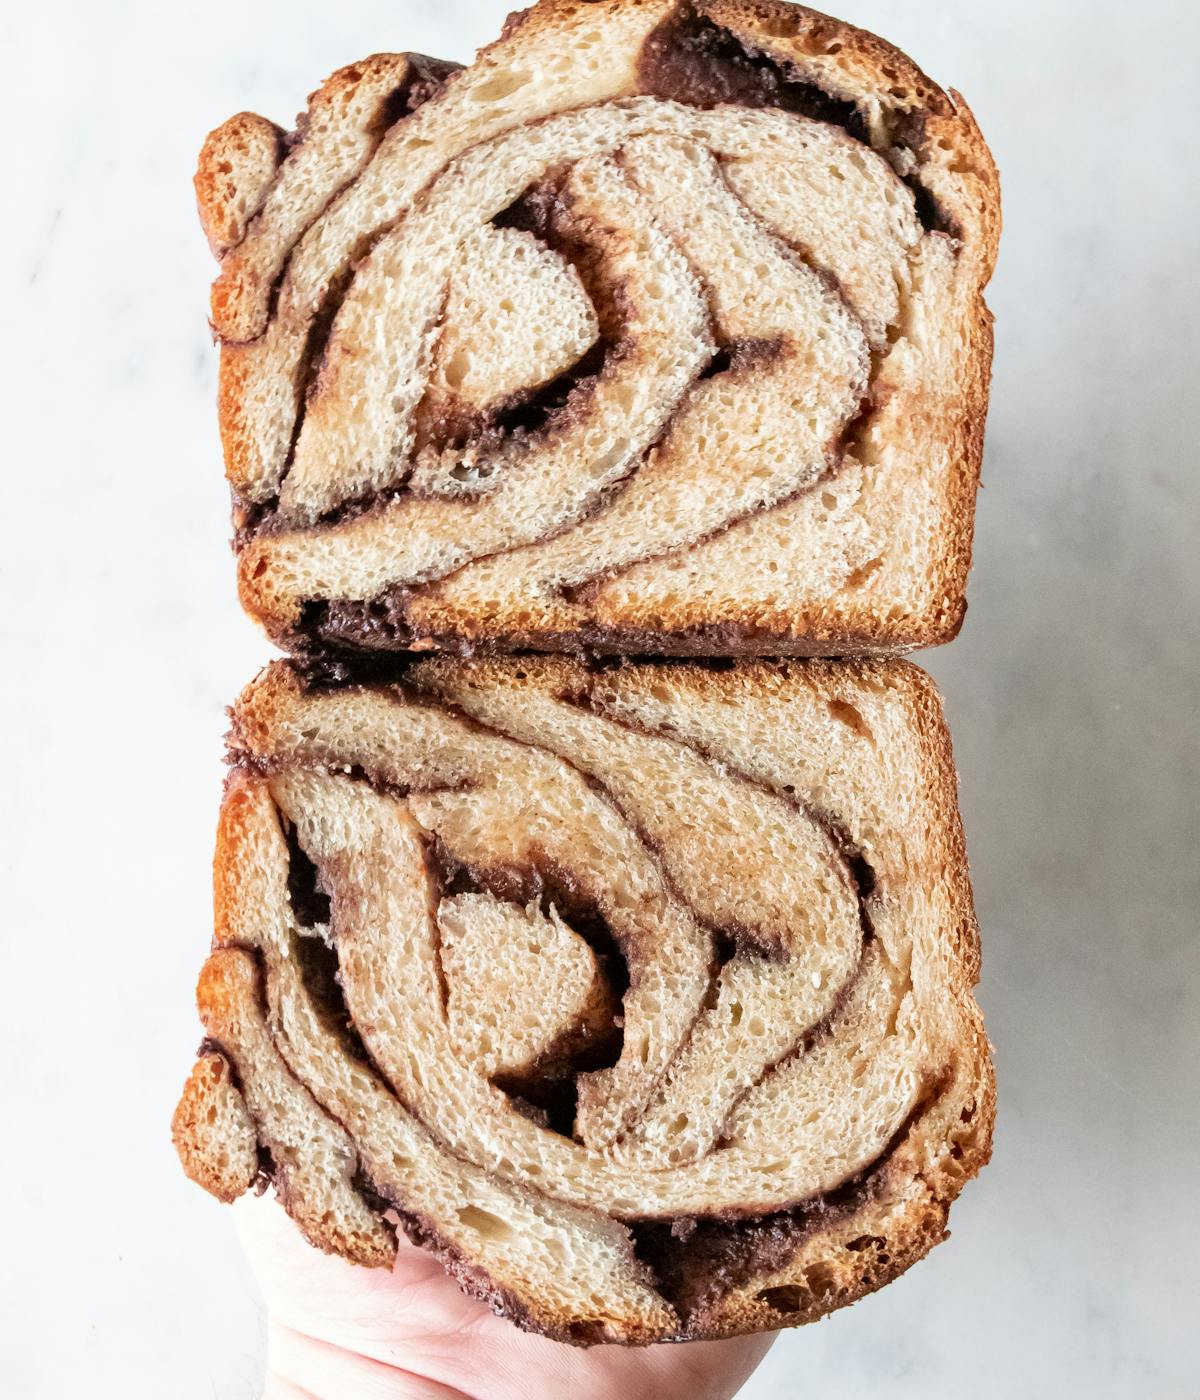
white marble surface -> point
(1072, 692)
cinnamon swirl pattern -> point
(641, 994)
(659, 328)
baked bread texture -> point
(641, 993)
(658, 329)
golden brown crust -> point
(213, 1132)
(237, 163)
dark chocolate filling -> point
(425, 79)
(316, 960)
(907, 132)
(358, 632)
(531, 413)
(310, 903)
(350, 625)
(534, 212)
(696, 1262)
(691, 60)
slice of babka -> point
(640, 993)
(657, 329)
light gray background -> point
(1072, 695)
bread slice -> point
(759, 866)
(657, 329)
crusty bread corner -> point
(854, 63)
(859, 1251)
(212, 1130)
(237, 163)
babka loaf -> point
(639, 992)
(658, 329)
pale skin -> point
(338, 1332)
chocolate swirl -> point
(659, 327)
(644, 1023)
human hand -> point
(340, 1332)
